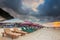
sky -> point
(43, 7)
(50, 8)
(35, 8)
(32, 3)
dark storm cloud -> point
(50, 8)
(1, 3)
(14, 4)
(49, 11)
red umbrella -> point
(26, 23)
(37, 25)
(34, 24)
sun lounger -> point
(9, 33)
(3, 38)
(19, 31)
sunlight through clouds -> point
(33, 4)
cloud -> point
(50, 8)
(35, 8)
(14, 4)
(48, 11)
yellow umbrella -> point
(52, 24)
(56, 24)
